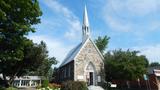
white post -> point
(139, 84)
(40, 82)
(30, 83)
(20, 83)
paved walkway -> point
(89, 88)
(95, 88)
(27, 89)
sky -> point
(131, 24)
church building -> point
(84, 62)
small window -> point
(158, 77)
(69, 70)
(85, 28)
(64, 72)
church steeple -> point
(85, 26)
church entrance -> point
(90, 74)
(91, 78)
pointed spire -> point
(85, 26)
(85, 17)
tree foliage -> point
(124, 65)
(16, 20)
(154, 64)
(35, 59)
(19, 15)
(44, 64)
(40, 61)
(102, 43)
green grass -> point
(11, 88)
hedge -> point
(74, 85)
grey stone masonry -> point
(88, 53)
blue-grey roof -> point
(71, 55)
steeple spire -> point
(85, 17)
(85, 26)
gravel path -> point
(27, 88)
(95, 88)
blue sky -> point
(131, 24)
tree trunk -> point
(6, 84)
(11, 78)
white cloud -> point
(151, 52)
(74, 31)
(131, 15)
(48, 24)
(56, 48)
(71, 20)
(117, 24)
(142, 7)
(135, 7)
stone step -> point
(95, 88)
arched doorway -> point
(90, 73)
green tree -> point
(154, 64)
(35, 59)
(42, 61)
(16, 20)
(124, 65)
(102, 43)
(46, 68)
(12, 66)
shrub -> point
(2, 88)
(38, 87)
(45, 83)
(54, 85)
(104, 85)
(74, 85)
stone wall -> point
(88, 54)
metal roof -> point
(28, 78)
(71, 55)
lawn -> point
(11, 88)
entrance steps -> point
(95, 88)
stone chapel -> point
(84, 62)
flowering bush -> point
(74, 85)
(51, 86)
(54, 85)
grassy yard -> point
(11, 88)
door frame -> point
(87, 72)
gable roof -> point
(75, 51)
(70, 56)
